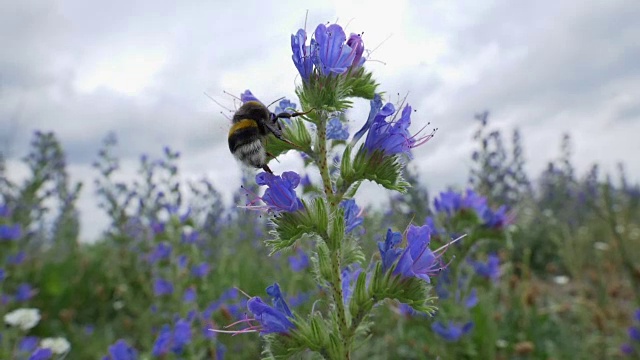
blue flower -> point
(200, 271)
(10, 232)
(5, 212)
(376, 105)
(448, 202)
(271, 320)
(41, 354)
(490, 269)
(247, 96)
(280, 194)
(162, 287)
(161, 345)
(349, 277)
(472, 299)
(285, 105)
(334, 54)
(417, 260)
(28, 344)
(122, 351)
(278, 300)
(2, 274)
(393, 137)
(181, 336)
(493, 219)
(388, 251)
(24, 292)
(302, 57)
(299, 262)
(16, 259)
(352, 214)
(336, 130)
(189, 295)
(452, 331)
(162, 251)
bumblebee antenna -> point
(275, 101)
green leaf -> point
(377, 167)
(288, 227)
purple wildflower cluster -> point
(280, 195)
(267, 319)
(329, 53)
(633, 347)
(452, 202)
(416, 260)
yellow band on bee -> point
(242, 124)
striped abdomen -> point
(245, 143)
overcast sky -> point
(139, 68)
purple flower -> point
(334, 55)
(627, 349)
(5, 212)
(24, 292)
(189, 295)
(352, 214)
(122, 351)
(490, 269)
(17, 259)
(161, 345)
(162, 287)
(190, 238)
(28, 344)
(280, 194)
(336, 130)
(2, 274)
(634, 333)
(392, 137)
(302, 54)
(493, 219)
(349, 277)
(162, 251)
(247, 96)
(448, 202)
(278, 300)
(376, 105)
(432, 226)
(41, 354)
(10, 232)
(201, 270)
(285, 105)
(388, 251)
(157, 228)
(182, 261)
(299, 262)
(417, 260)
(452, 331)
(221, 350)
(271, 320)
(181, 336)
(472, 299)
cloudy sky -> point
(139, 68)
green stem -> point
(335, 280)
(321, 144)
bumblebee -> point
(251, 124)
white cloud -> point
(139, 69)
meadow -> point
(559, 279)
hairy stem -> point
(336, 279)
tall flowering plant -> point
(332, 72)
